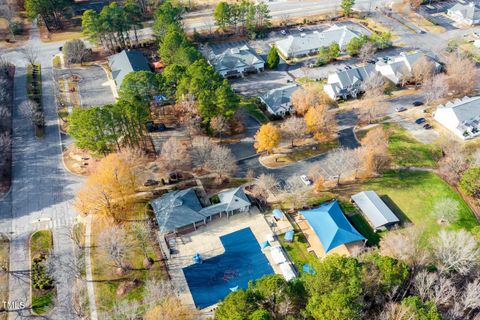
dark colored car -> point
(427, 126)
(418, 103)
(152, 127)
(420, 120)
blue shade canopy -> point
(277, 213)
(265, 244)
(331, 226)
(308, 269)
(289, 235)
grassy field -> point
(406, 151)
(412, 196)
(41, 243)
(253, 110)
(107, 281)
(4, 260)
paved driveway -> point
(94, 87)
(436, 12)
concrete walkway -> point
(88, 267)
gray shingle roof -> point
(354, 76)
(277, 97)
(234, 58)
(467, 11)
(178, 209)
(294, 45)
(125, 62)
(467, 111)
(375, 209)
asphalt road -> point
(41, 189)
(203, 19)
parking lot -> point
(436, 12)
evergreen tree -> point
(273, 59)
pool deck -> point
(206, 241)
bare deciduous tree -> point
(446, 209)
(296, 191)
(201, 150)
(423, 70)
(220, 126)
(113, 242)
(461, 73)
(405, 246)
(396, 311)
(264, 185)
(456, 251)
(30, 53)
(127, 310)
(141, 232)
(221, 161)
(293, 128)
(471, 297)
(342, 162)
(435, 88)
(367, 52)
(374, 85)
(156, 291)
(30, 110)
(454, 163)
(174, 155)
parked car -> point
(400, 109)
(283, 32)
(420, 120)
(300, 28)
(427, 126)
(152, 127)
(373, 61)
(305, 180)
(311, 65)
(418, 103)
(151, 183)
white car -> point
(305, 180)
(283, 32)
(400, 109)
(300, 28)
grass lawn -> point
(298, 153)
(4, 260)
(412, 196)
(41, 243)
(253, 110)
(362, 226)
(297, 250)
(103, 271)
(406, 151)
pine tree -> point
(273, 59)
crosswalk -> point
(21, 227)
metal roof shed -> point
(374, 209)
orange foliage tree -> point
(308, 96)
(374, 151)
(267, 138)
(320, 122)
(110, 189)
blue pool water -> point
(242, 261)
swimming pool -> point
(242, 261)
